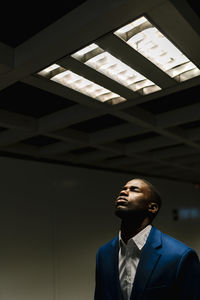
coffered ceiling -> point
(151, 132)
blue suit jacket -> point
(168, 269)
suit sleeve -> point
(97, 294)
(188, 276)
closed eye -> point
(134, 189)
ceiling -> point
(154, 135)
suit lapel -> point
(115, 271)
(148, 260)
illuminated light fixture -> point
(80, 84)
(105, 63)
(152, 44)
(49, 71)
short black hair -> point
(155, 194)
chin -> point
(127, 214)
(121, 213)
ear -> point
(153, 207)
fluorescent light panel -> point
(152, 44)
(80, 84)
(105, 63)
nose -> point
(124, 193)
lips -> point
(122, 198)
(121, 201)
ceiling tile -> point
(27, 100)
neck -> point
(130, 228)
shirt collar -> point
(139, 239)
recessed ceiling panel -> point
(83, 150)
(98, 123)
(138, 137)
(40, 141)
(28, 100)
(173, 101)
(190, 125)
(24, 19)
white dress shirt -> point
(129, 256)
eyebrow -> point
(132, 186)
(135, 186)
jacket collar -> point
(149, 258)
(154, 239)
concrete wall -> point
(53, 218)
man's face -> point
(133, 199)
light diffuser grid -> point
(80, 84)
(105, 63)
(152, 44)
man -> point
(142, 262)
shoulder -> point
(173, 246)
(109, 245)
(172, 242)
